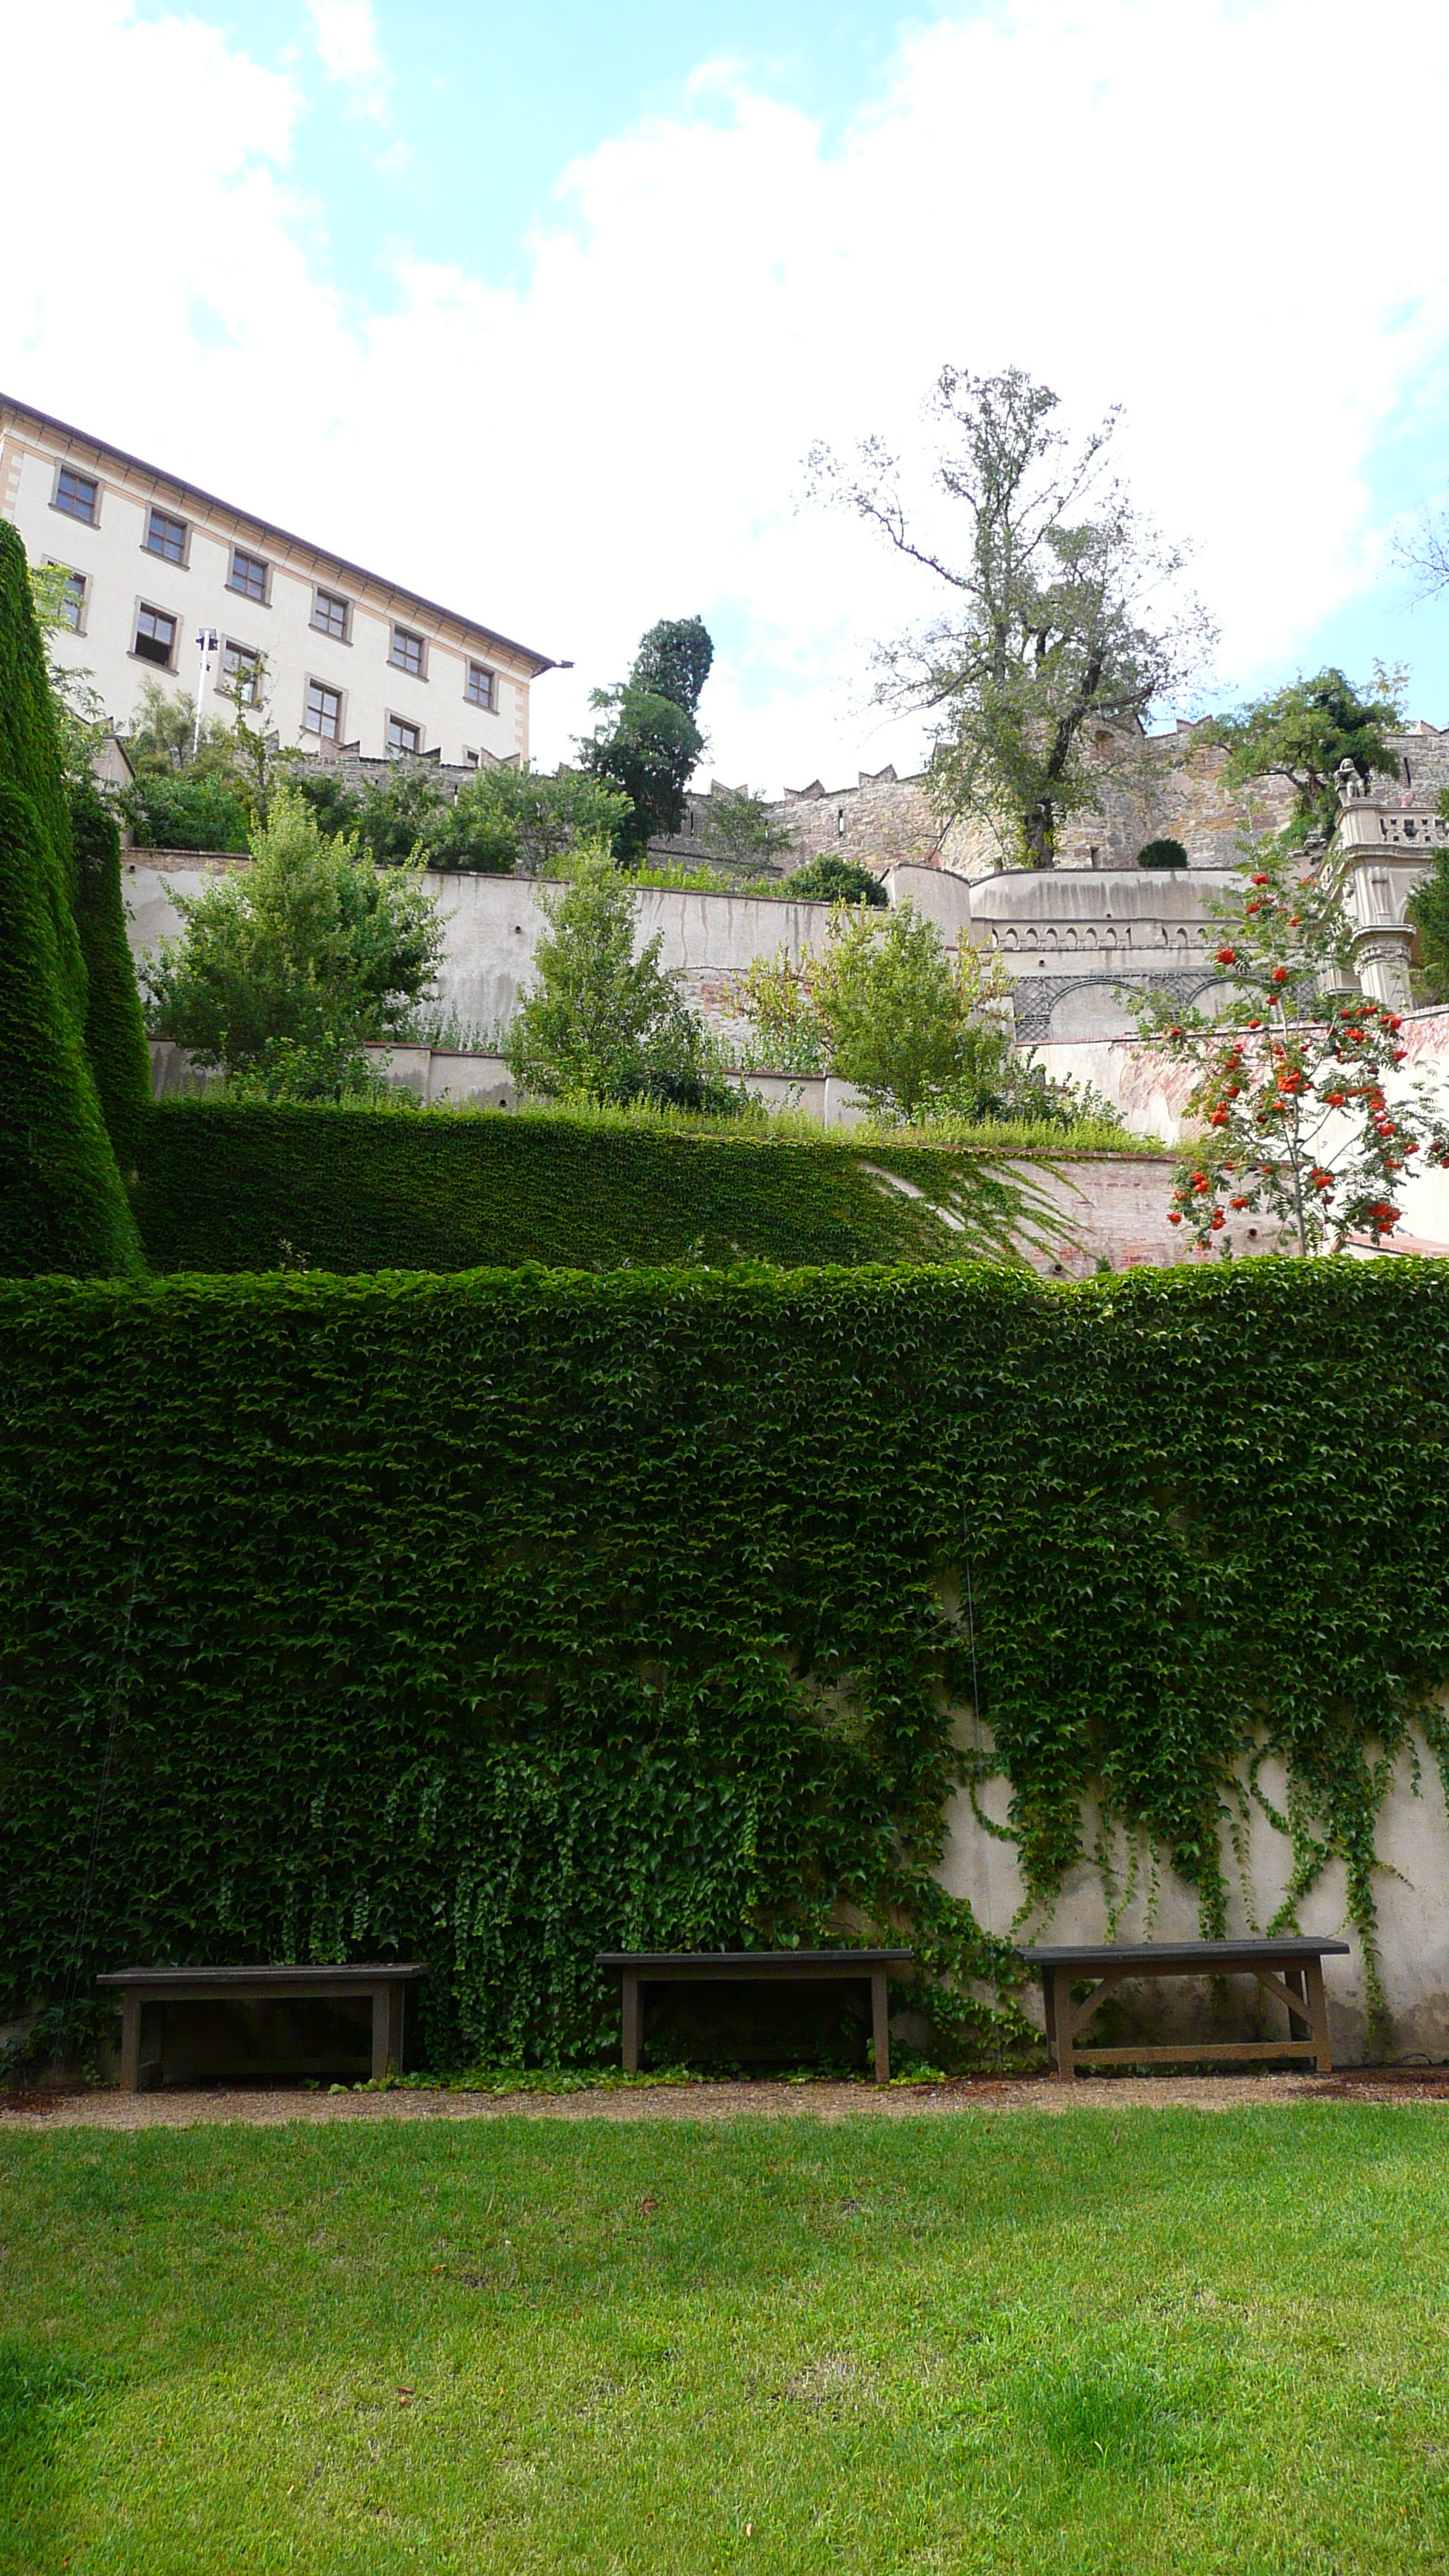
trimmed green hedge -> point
(62, 1202)
(115, 1033)
(502, 1618)
(225, 1188)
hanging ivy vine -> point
(504, 1617)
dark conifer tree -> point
(62, 1203)
(115, 1031)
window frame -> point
(72, 573)
(408, 724)
(326, 688)
(178, 562)
(321, 592)
(245, 652)
(74, 471)
(236, 590)
(487, 705)
(412, 636)
(148, 608)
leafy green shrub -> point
(519, 822)
(183, 809)
(329, 799)
(885, 1008)
(311, 949)
(602, 1024)
(829, 879)
(1164, 853)
(497, 1620)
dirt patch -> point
(104, 2107)
(1383, 2084)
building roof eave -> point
(534, 662)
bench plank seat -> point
(1299, 1988)
(638, 1968)
(383, 1982)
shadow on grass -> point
(41, 2396)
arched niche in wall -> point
(1090, 1011)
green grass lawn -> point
(1135, 2341)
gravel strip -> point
(104, 2107)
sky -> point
(539, 311)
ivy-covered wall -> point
(501, 1618)
(229, 1188)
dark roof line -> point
(107, 447)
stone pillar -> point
(1384, 847)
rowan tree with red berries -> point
(1292, 1072)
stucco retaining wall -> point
(494, 925)
(1151, 1093)
(1412, 1894)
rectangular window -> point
(73, 602)
(479, 692)
(407, 652)
(165, 537)
(241, 671)
(402, 736)
(155, 637)
(78, 495)
(324, 712)
(329, 615)
(248, 575)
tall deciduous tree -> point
(1301, 733)
(651, 743)
(62, 1203)
(1061, 626)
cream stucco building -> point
(342, 657)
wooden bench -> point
(1300, 1988)
(640, 1968)
(385, 1985)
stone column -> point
(1384, 847)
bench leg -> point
(631, 2021)
(1061, 2017)
(131, 2042)
(880, 2020)
(396, 2003)
(1318, 2015)
(381, 2030)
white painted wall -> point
(494, 925)
(1412, 1894)
(120, 575)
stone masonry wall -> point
(1167, 785)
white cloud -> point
(345, 35)
(1156, 201)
